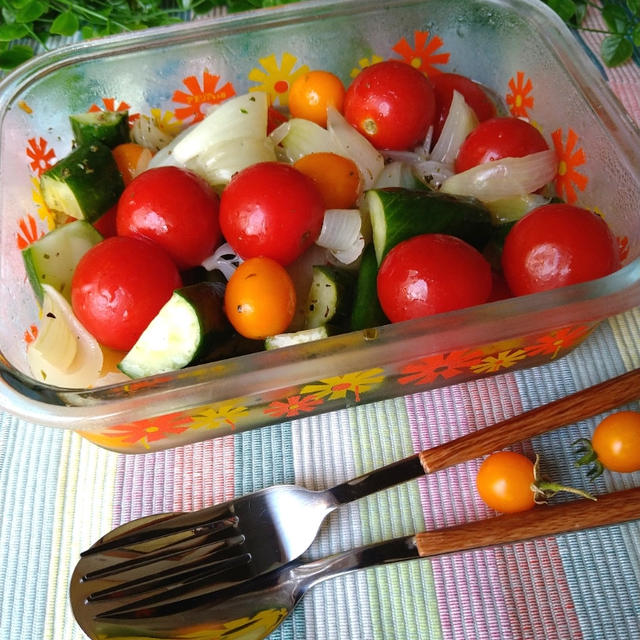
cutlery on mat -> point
(258, 532)
(189, 608)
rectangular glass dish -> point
(521, 50)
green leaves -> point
(37, 20)
(622, 20)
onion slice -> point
(504, 178)
(342, 234)
(301, 137)
(223, 259)
(461, 121)
(352, 144)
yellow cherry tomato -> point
(505, 481)
(260, 298)
(312, 92)
(616, 441)
(131, 159)
(337, 178)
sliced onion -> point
(433, 173)
(246, 113)
(301, 138)
(224, 259)
(164, 157)
(504, 178)
(354, 145)
(510, 209)
(220, 162)
(147, 133)
(351, 253)
(396, 174)
(64, 353)
(461, 121)
(340, 228)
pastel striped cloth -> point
(59, 493)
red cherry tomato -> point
(557, 245)
(498, 138)
(429, 274)
(392, 104)
(273, 210)
(119, 286)
(444, 84)
(106, 223)
(174, 208)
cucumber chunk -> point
(84, 184)
(53, 258)
(398, 214)
(186, 328)
(367, 312)
(330, 297)
(296, 337)
(108, 127)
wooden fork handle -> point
(543, 520)
(578, 406)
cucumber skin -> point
(88, 128)
(207, 299)
(92, 174)
(33, 256)
(412, 212)
(367, 312)
(344, 280)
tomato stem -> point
(584, 448)
(544, 489)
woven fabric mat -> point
(59, 493)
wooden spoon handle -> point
(578, 406)
(544, 520)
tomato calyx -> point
(544, 489)
(370, 126)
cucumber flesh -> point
(53, 258)
(184, 330)
(108, 127)
(330, 297)
(367, 312)
(84, 184)
(398, 214)
(296, 337)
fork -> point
(252, 609)
(258, 532)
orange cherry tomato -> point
(312, 92)
(260, 298)
(337, 178)
(131, 159)
(504, 482)
(616, 441)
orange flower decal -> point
(109, 104)
(443, 365)
(294, 406)
(40, 154)
(208, 93)
(28, 232)
(623, 247)
(276, 80)
(154, 429)
(423, 55)
(518, 100)
(31, 334)
(568, 178)
(560, 339)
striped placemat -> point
(59, 493)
